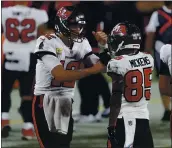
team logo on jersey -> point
(59, 50)
(119, 29)
(63, 13)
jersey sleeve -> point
(89, 58)
(42, 17)
(45, 46)
(153, 23)
(165, 60)
(50, 61)
(115, 66)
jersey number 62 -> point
(12, 31)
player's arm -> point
(115, 100)
(115, 105)
(99, 58)
(90, 58)
(54, 66)
(150, 32)
(69, 75)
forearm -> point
(115, 106)
(70, 75)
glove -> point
(112, 142)
(104, 57)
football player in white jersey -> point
(59, 57)
(131, 73)
(21, 27)
(165, 84)
(165, 78)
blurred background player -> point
(165, 78)
(21, 27)
(59, 56)
(159, 32)
(131, 73)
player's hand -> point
(112, 142)
(100, 36)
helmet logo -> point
(119, 29)
(63, 13)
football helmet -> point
(70, 23)
(124, 36)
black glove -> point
(105, 57)
(112, 142)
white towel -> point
(57, 110)
(130, 126)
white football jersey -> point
(20, 26)
(165, 56)
(137, 72)
(69, 58)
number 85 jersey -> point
(137, 73)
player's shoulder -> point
(48, 37)
(84, 42)
(118, 59)
(46, 42)
(117, 64)
(146, 54)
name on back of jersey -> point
(138, 62)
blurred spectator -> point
(159, 32)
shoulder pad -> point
(114, 66)
(46, 43)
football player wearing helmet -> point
(131, 73)
(59, 57)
